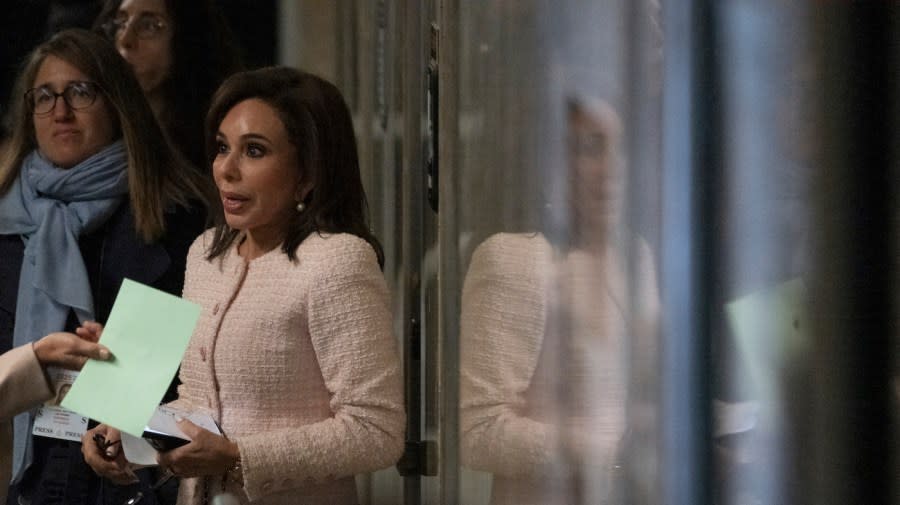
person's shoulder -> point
(204, 240)
(200, 247)
(512, 252)
(336, 248)
(534, 242)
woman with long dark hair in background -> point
(180, 52)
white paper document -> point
(138, 451)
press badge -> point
(53, 421)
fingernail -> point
(178, 419)
(110, 453)
(104, 354)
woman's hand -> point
(101, 448)
(90, 330)
(69, 351)
(206, 454)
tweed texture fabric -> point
(298, 364)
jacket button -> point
(216, 309)
(203, 354)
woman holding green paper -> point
(90, 193)
(293, 354)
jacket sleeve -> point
(502, 326)
(23, 383)
(350, 327)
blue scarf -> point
(51, 208)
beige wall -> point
(309, 36)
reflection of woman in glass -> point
(545, 329)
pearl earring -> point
(301, 207)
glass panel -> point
(761, 329)
(550, 367)
(557, 170)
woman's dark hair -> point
(319, 125)
(204, 53)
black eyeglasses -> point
(146, 26)
(77, 95)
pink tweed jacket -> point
(298, 364)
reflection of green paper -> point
(771, 329)
(147, 332)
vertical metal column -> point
(448, 238)
(856, 449)
(412, 49)
(690, 172)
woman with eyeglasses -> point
(90, 193)
(180, 51)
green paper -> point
(147, 332)
(771, 328)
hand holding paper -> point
(164, 433)
(207, 454)
(68, 351)
(142, 451)
(90, 330)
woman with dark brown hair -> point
(293, 355)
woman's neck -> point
(254, 245)
(157, 104)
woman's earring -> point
(301, 207)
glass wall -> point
(761, 328)
(556, 247)
(640, 252)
